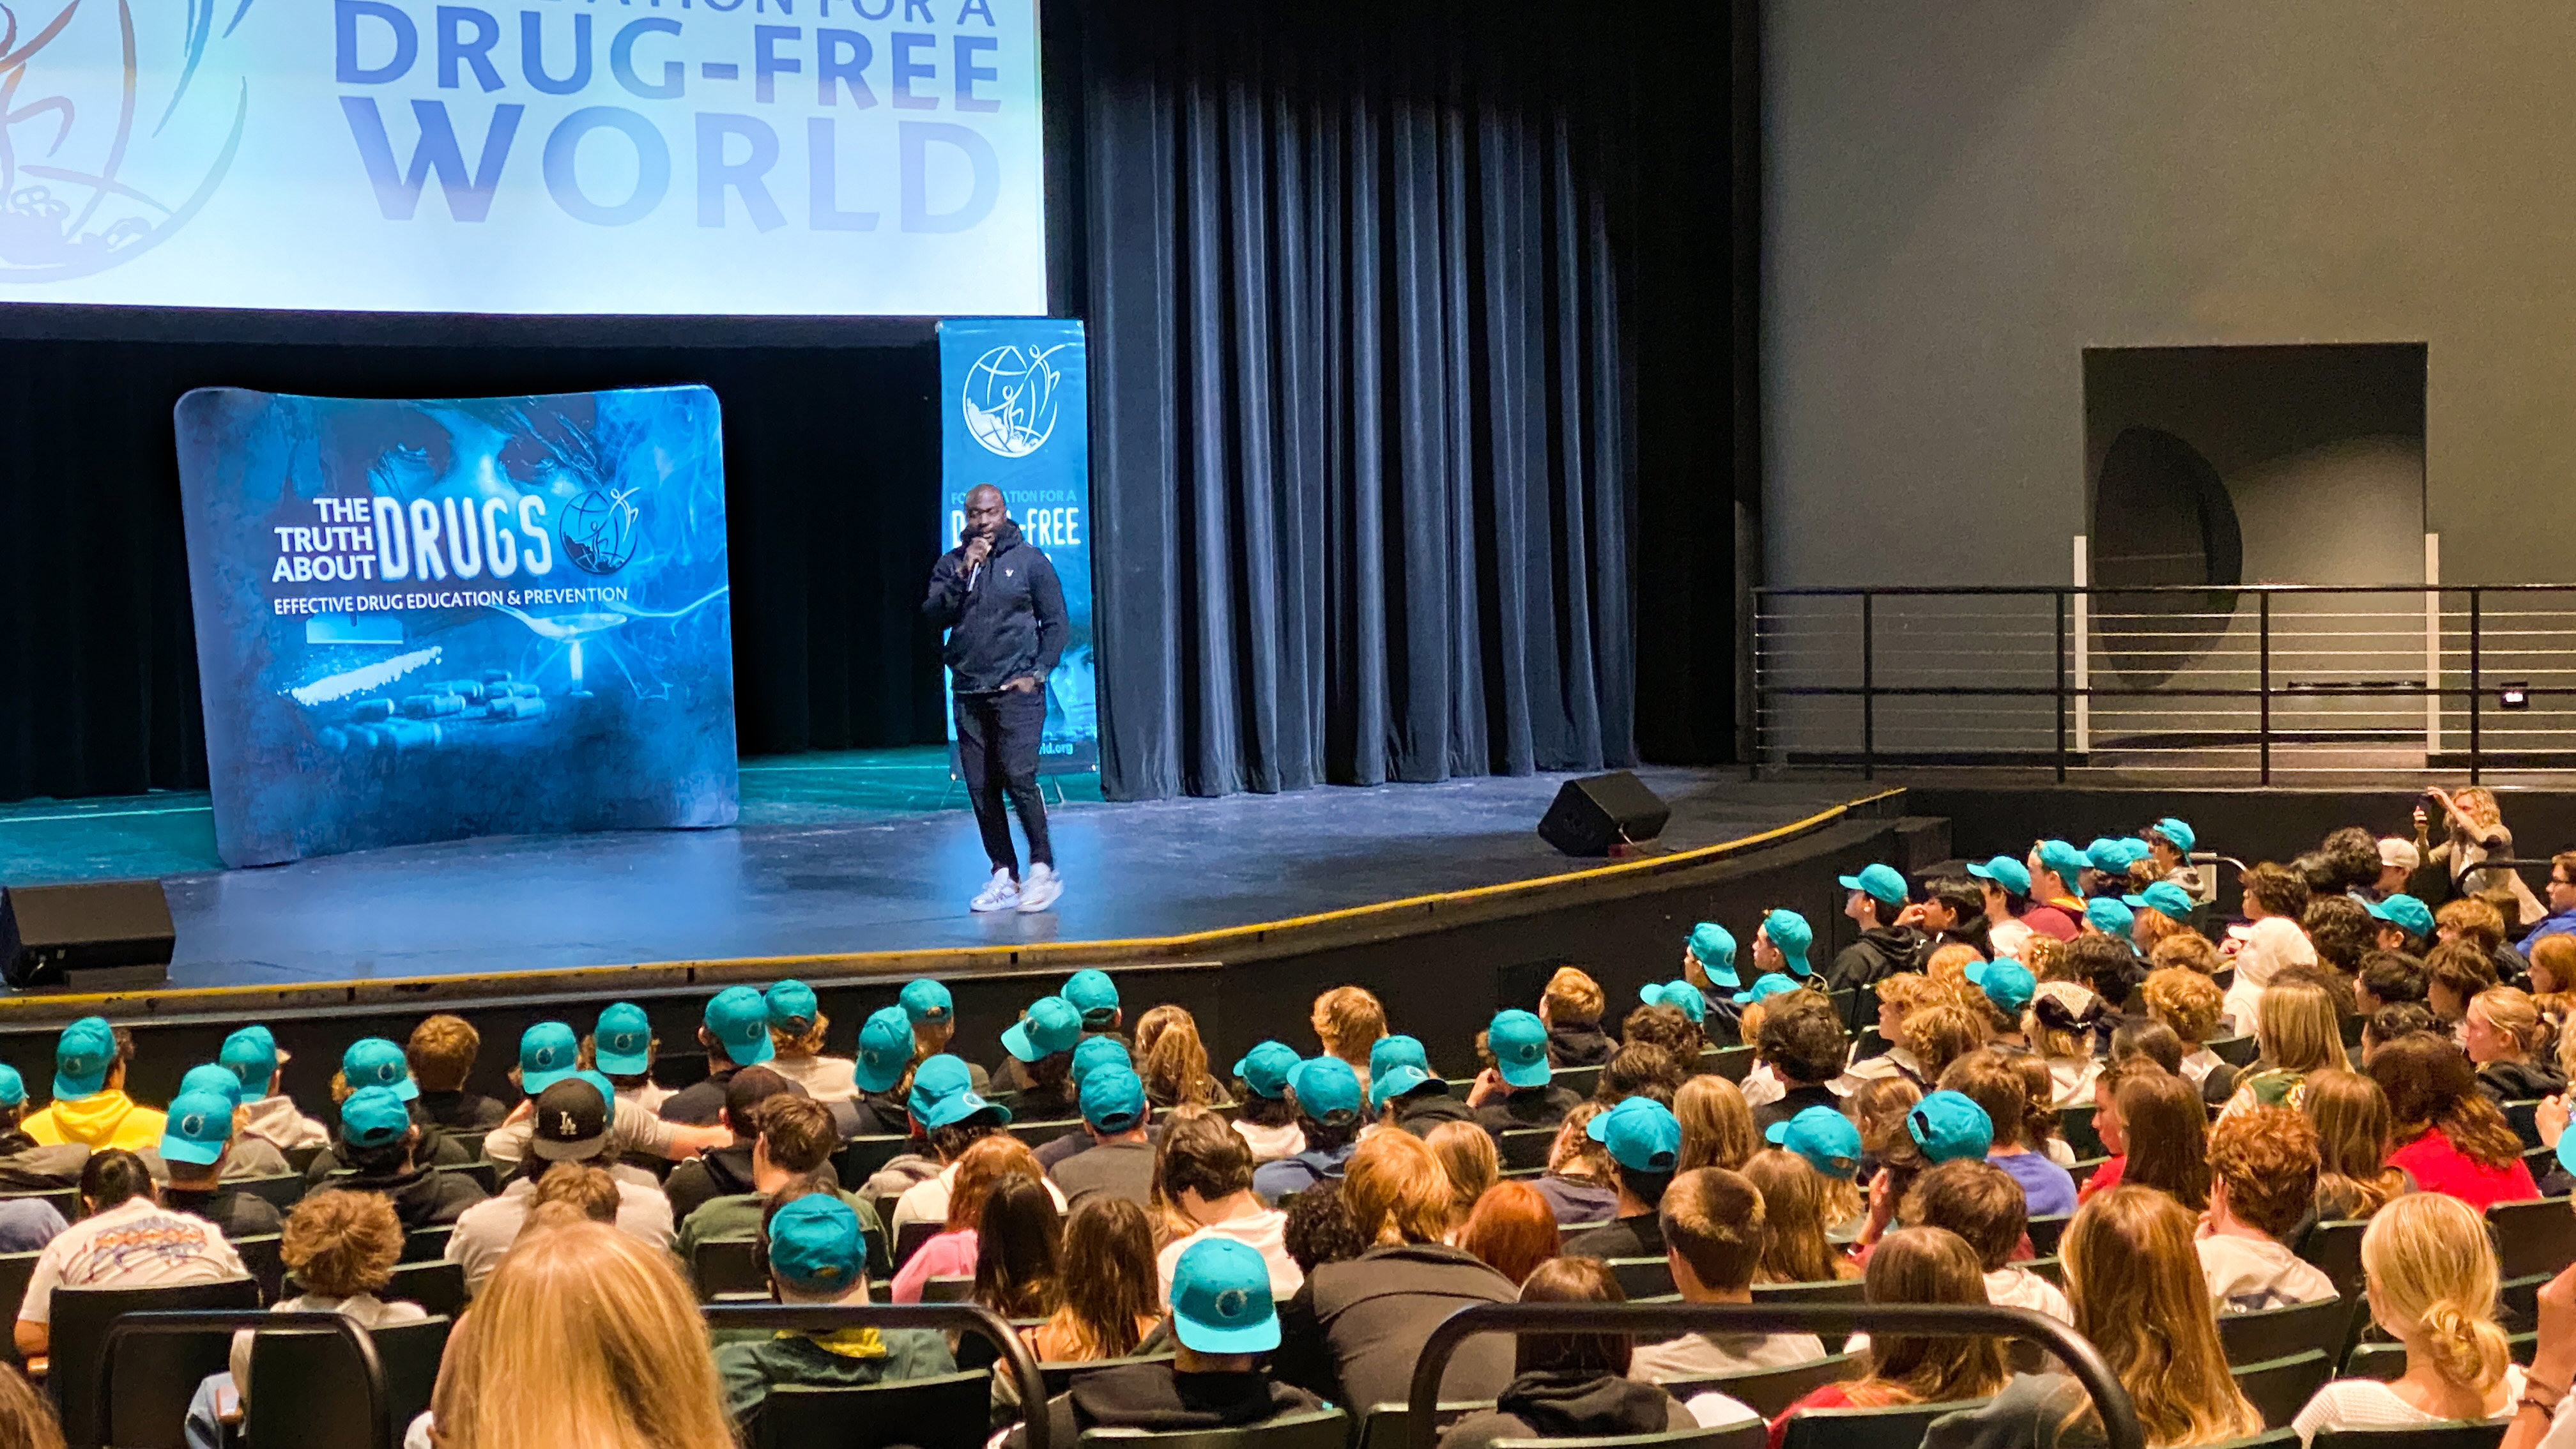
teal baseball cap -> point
(1328, 1091)
(943, 1092)
(212, 1077)
(373, 1117)
(548, 1053)
(1221, 1299)
(13, 1088)
(83, 1055)
(2176, 833)
(253, 1056)
(1265, 1069)
(1094, 995)
(792, 1007)
(2115, 853)
(1769, 985)
(1094, 1052)
(198, 1129)
(1681, 995)
(815, 1245)
(2110, 917)
(375, 1062)
(1947, 1125)
(2065, 859)
(927, 1003)
(1642, 1134)
(2004, 871)
(1824, 1137)
(1790, 932)
(2164, 897)
(1052, 1025)
(738, 1018)
(1402, 1079)
(1880, 883)
(1390, 1052)
(1113, 1099)
(1518, 1040)
(2405, 913)
(2006, 982)
(1713, 946)
(622, 1042)
(885, 1049)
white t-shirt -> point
(2199, 1064)
(2248, 1275)
(2269, 945)
(484, 1233)
(927, 1201)
(2008, 937)
(648, 1097)
(2011, 1287)
(2071, 1081)
(136, 1244)
(1271, 1144)
(1265, 1232)
(1762, 1087)
(2370, 1404)
(1714, 1410)
(370, 1311)
(825, 1079)
(1711, 1355)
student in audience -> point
(2137, 1296)
(570, 1324)
(549, 1052)
(1581, 1183)
(2388, 1023)
(1717, 1127)
(1353, 1330)
(955, 1117)
(2342, 931)
(1466, 1153)
(1708, 967)
(90, 1108)
(2152, 1040)
(340, 1247)
(2553, 968)
(1898, 997)
(1888, 943)
(380, 1144)
(572, 1126)
(1936, 1036)
(1797, 1249)
(2006, 884)
(1983, 1205)
(1320, 1229)
(1326, 1095)
(1089, 1055)
(879, 1076)
(2190, 1003)
(1828, 1142)
(1669, 1019)
(1115, 1120)
(954, 1251)
(1266, 1118)
(933, 1014)
(791, 1153)
(1639, 1070)
(1994, 1082)
(1016, 1273)
(817, 1252)
(1039, 1061)
(2263, 1164)
(244, 1156)
(1174, 1060)
(1205, 1172)
(1224, 1319)
(2296, 1031)
(735, 1031)
(2107, 917)
(2402, 923)
(2505, 1037)
(1577, 1385)
(2350, 1114)
(1405, 1092)
(1518, 1089)
(2056, 869)
(27, 1165)
(1510, 1229)
(2160, 910)
(2453, 974)
(441, 1052)
(2389, 978)
(726, 1171)
(2433, 1282)
(1915, 1265)
(1644, 1140)
(1951, 913)
(1803, 1043)
(1348, 1021)
(796, 1028)
(2559, 896)
(125, 1239)
(1715, 1230)
(2110, 1126)
(621, 1047)
(271, 1116)
(2059, 1027)
(2480, 924)
(2451, 1138)
(196, 1136)
(1571, 1009)
(1108, 1300)
(2167, 1130)
(1879, 1110)
(2274, 901)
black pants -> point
(997, 750)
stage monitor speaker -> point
(103, 937)
(1598, 812)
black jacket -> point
(236, 1214)
(697, 1104)
(1881, 952)
(1570, 1404)
(1160, 1399)
(2519, 1081)
(1354, 1329)
(422, 1197)
(725, 1172)
(436, 1149)
(464, 1111)
(1639, 1237)
(1525, 1107)
(1579, 1044)
(1005, 620)
(1423, 1110)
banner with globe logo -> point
(1016, 415)
(432, 620)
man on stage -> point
(997, 596)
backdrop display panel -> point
(744, 157)
(1016, 413)
(425, 621)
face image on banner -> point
(1016, 404)
(431, 620)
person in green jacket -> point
(818, 1257)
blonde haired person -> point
(2188, 949)
(1899, 997)
(2474, 831)
(2431, 1271)
(561, 1335)
(1793, 1200)
(2189, 1002)
(2503, 1033)
(2046, 959)
(1571, 1007)
(340, 1247)
(1717, 1125)
(1949, 965)
(2297, 1032)
(796, 1028)
(1348, 1021)
(1936, 1036)
(2354, 1133)
(1173, 1060)
(1466, 1153)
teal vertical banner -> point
(1015, 404)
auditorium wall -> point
(1961, 196)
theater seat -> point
(154, 1377)
(1898, 1427)
(949, 1411)
(2279, 1388)
(307, 1387)
(1317, 1429)
(2431, 1436)
(1751, 1434)
(1770, 1392)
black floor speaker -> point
(108, 936)
(1598, 812)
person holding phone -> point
(2474, 832)
(1003, 607)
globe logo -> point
(599, 531)
(1010, 399)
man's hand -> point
(1022, 685)
(1489, 1086)
(1912, 915)
(978, 548)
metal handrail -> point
(968, 1317)
(1932, 1320)
(215, 1320)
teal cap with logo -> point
(2006, 982)
(13, 1088)
(1052, 1025)
(2110, 917)
(792, 1007)
(1642, 1134)
(1790, 932)
(1399, 1050)
(2164, 897)
(738, 1018)
(2114, 854)
(1713, 946)
(373, 1117)
(1094, 995)
(1402, 1079)
(1768, 985)
(1518, 1040)
(1221, 1299)
(1094, 1052)
(885, 1049)
(253, 1056)
(1948, 1125)
(943, 1092)
(1824, 1137)
(2004, 871)
(548, 1053)
(83, 1054)
(1265, 1069)
(212, 1077)
(2176, 834)
(2405, 913)
(622, 1042)
(927, 1003)
(1328, 1091)
(198, 1129)
(2063, 858)
(1880, 883)
(1113, 1099)
(1689, 1000)
(816, 1246)
(375, 1062)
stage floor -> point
(835, 854)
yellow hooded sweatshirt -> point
(98, 1121)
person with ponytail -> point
(2505, 1036)
(2059, 1026)
(2432, 1276)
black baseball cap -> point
(572, 1122)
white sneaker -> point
(999, 894)
(1041, 889)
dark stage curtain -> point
(1362, 453)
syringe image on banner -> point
(429, 620)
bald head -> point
(986, 511)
